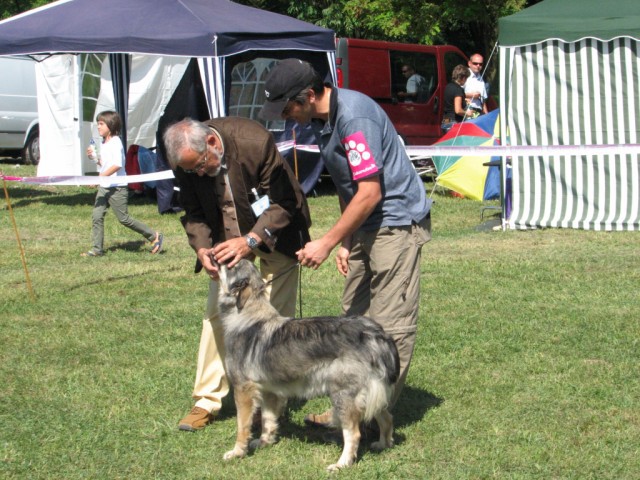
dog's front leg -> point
(244, 407)
(272, 407)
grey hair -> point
(187, 134)
(301, 97)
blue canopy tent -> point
(217, 34)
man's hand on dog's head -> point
(231, 251)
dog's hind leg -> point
(272, 407)
(350, 421)
(244, 396)
(385, 423)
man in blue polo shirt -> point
(385, 217)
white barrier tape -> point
(93, 179)
(413, 151)
(497, 150)
(521, 150)
(289, 144)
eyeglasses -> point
(198, 166)
(478, 64)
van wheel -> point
(31, 152)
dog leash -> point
(284, 272)
(287, 270)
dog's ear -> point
(238, 286)
(242, 290)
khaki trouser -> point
(211, 384)
(383, 283)
(116, 198)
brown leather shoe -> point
(319, 419)
(197, 419)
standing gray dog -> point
(270, 358)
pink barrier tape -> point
(522, 150)
(92, 179)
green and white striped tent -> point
(570, 75)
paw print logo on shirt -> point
(359, 156)
(356, 152)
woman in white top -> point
(115, 195)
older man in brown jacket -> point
(241, 199)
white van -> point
(19, 130)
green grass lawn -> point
(526, 365)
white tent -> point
(570, 75)
(65, 131)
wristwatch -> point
(251, 242)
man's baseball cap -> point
(286, 80)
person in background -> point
(385, 217)
(455, 108)
(475, 88)
(415, 83)
(222, 166)
(111, 163)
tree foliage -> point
(471, 25)
(468, 24)
(9, 8)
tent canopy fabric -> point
(218, 33)
(570, 21)
(191, 28)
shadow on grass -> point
(324, 187)
(24, 197)
(111, 279)
(131, 246)
(411, 408)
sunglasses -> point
(478, 64)
(198, 166)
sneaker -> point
(156, 245)
(319, 420)
(92, 253)
(197, 419)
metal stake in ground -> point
(15, 229)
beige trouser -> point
(384, 283)
(211, 384)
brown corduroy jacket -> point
(253, 161)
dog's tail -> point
(379, 395)
(387, 368)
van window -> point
(425, 66)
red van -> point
(375, 69)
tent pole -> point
(504, 139)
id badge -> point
(260, 205)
